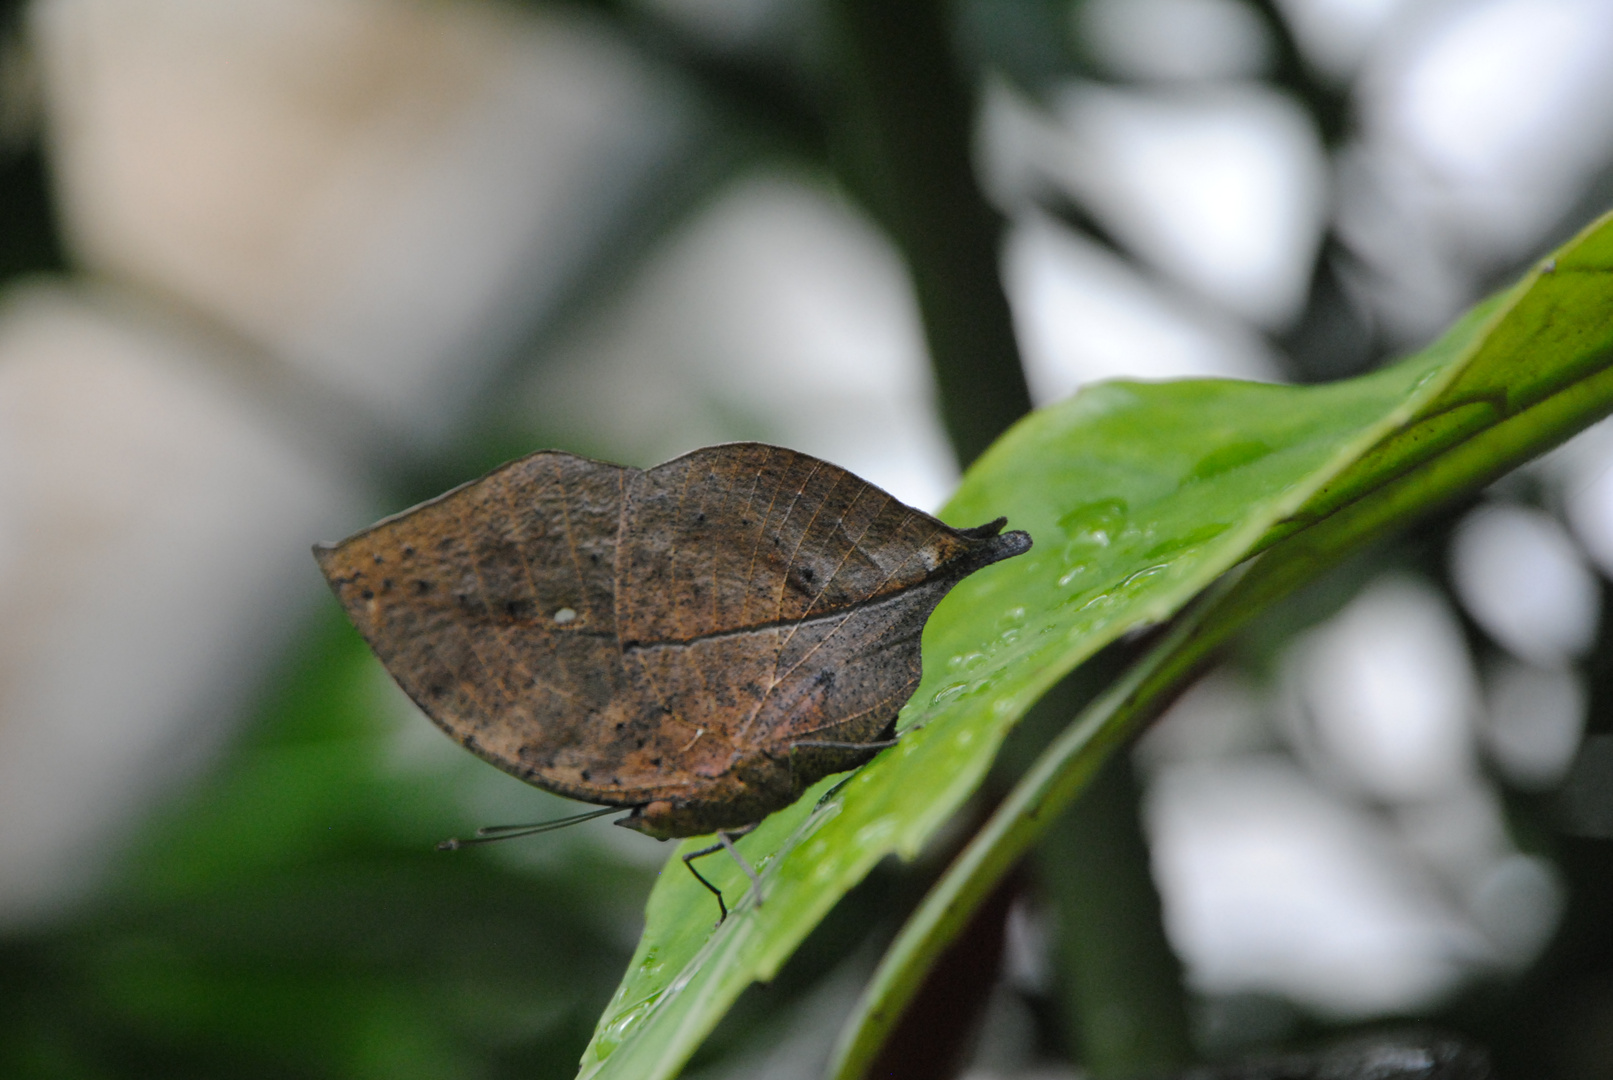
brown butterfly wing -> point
(774, 599)
(674, 640)
(493, 606)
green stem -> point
(1036, 801)
(1120, 985)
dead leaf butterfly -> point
(696, 643)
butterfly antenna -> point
(487, 834)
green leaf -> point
(1138, 496)
(1519, 374)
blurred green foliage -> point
(290, 917)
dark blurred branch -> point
(902, 132)
(29, 241)
(764, 98)
(934, 1040)
(1027, 42)
(1120, 983)
(1334, 336)
(1327, 102)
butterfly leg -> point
(688, 860)
(727, 839)
(881, 744)
(842, 755)
(890, 739)
(725, 842)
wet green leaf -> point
(1134, 505)
(1138, 496)
(1522, 372)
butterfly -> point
(695, 644)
